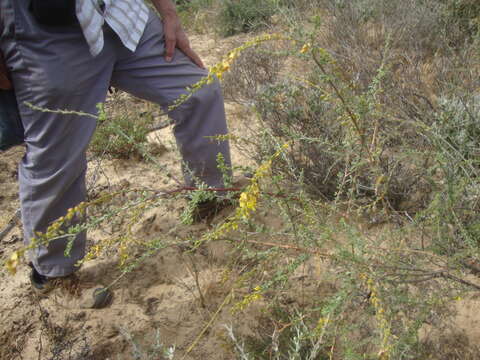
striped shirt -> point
(126, 17)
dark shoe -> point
(40, 284)
(208, 209)
(69, 292)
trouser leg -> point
(52, 68)
(147, 75)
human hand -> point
(175, 37)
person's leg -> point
(53, 69)
(147, 75)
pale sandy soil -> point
(162, 294)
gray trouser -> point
(52, 68)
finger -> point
(170, 44)
(194, 57)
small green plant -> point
(458, 125)
(196, 199)
(122, 134)
(202, 196)
(156, 350)
(298, 342)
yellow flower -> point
(12, 263)
(306, 48)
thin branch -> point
(291, 247)
(204, 330)
(462, 281)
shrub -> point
(455, 137)
(197, 15)
(253, 71)
(385, 89)
(420, 27)
(294, 112)
(458, 125)
(465, 14)
(326, 155)
(193, 5)
(372, 137)
(237, 16)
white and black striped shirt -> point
(126, 17)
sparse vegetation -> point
(155, 351)
(358, 232)
(122, 134)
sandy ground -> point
(170, 298)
